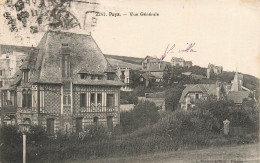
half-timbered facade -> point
(64, 84)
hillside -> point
(124, 61)
(249, 81)
(133, 60)
(120, 63)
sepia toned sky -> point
(225, 33)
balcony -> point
(94, 109)
(8, 110)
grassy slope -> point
(135, 63)
(245, 153)
(133, 60)
(249, 81)
(120, 63)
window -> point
(1, 72)
(29, 98)
(110, 76)
(197, 96)
(50, 127)
(66, 65)
(96, 77)
(83, 100)
(69, 100)
(66, 100)
(9, 98)
(65, 44)
(95, 120)
(82, 76)
(26, 76)
(13, 98)
(92, 98)
(110, 100)
(141, 79)
(1, 84)
(24, 98)
(40, 100)
(78, 125)
(99, 98)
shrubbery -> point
(147, 132)
(144, 113)
(173, 97)
(11, 144)
(128, 98)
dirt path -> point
(228, 154)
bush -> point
(11, 143)
(144, 113)
(128, 98)
(37, 135)
(222, 110)
(173, 97)
(94, 132)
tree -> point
(224, 109)
(134, 76)
(144, 113)
(173, 97)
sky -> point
(225, 33)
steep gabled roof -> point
(155, 95)
(153, 59)
(209, 89)
(147, 75)
(45, 62)
(156, 68)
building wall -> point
(9, 65)
(188, 64)
(47, 103)
(190, 99)
(158, 74)
(88, 113)
(126, 74)
(148, 62)
(177, 62)
(127, 77)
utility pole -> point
(24, 148)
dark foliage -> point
(173, 97)
(222, 110)
(11, 143)
(145, 113)
(128, 98)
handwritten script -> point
(170, 49)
